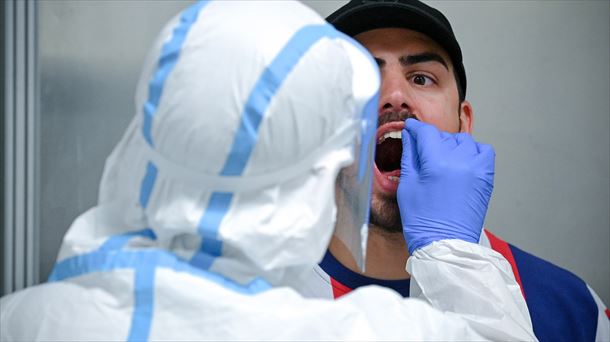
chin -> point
(385, 214)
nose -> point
(394, 92)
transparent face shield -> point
(355, 182)
(354, 187)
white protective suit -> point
(221, 192)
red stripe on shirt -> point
(338, 288)
(503, 248)
(608, 313)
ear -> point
(466, 117)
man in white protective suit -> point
(218, 198)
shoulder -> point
(58, 311)
(562, 306)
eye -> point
(422, 80)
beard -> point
(385, 214)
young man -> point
(423, 77)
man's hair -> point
(359, 16)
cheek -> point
(437, 109)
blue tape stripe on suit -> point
(101, 261)
(144, 263)
(167, 61)
(170, 52)
(265, 88)
(208, 228)
(247, 134)
(147, 184)
(143, 304)
(117, 242)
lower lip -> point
(384, 184)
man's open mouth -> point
(388, 155)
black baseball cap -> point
(359, 16)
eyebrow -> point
(409, 60)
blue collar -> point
(354, 280)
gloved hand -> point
(445, 185)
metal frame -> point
(21, 138)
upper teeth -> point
(392, 134)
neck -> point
(386, 256)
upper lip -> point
(389, 127)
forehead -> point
(399, 41)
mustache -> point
(392, 116)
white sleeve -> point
(471, 292)
(473, 282)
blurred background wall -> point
(90, 56)
(538, 78)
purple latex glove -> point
(446, 181)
